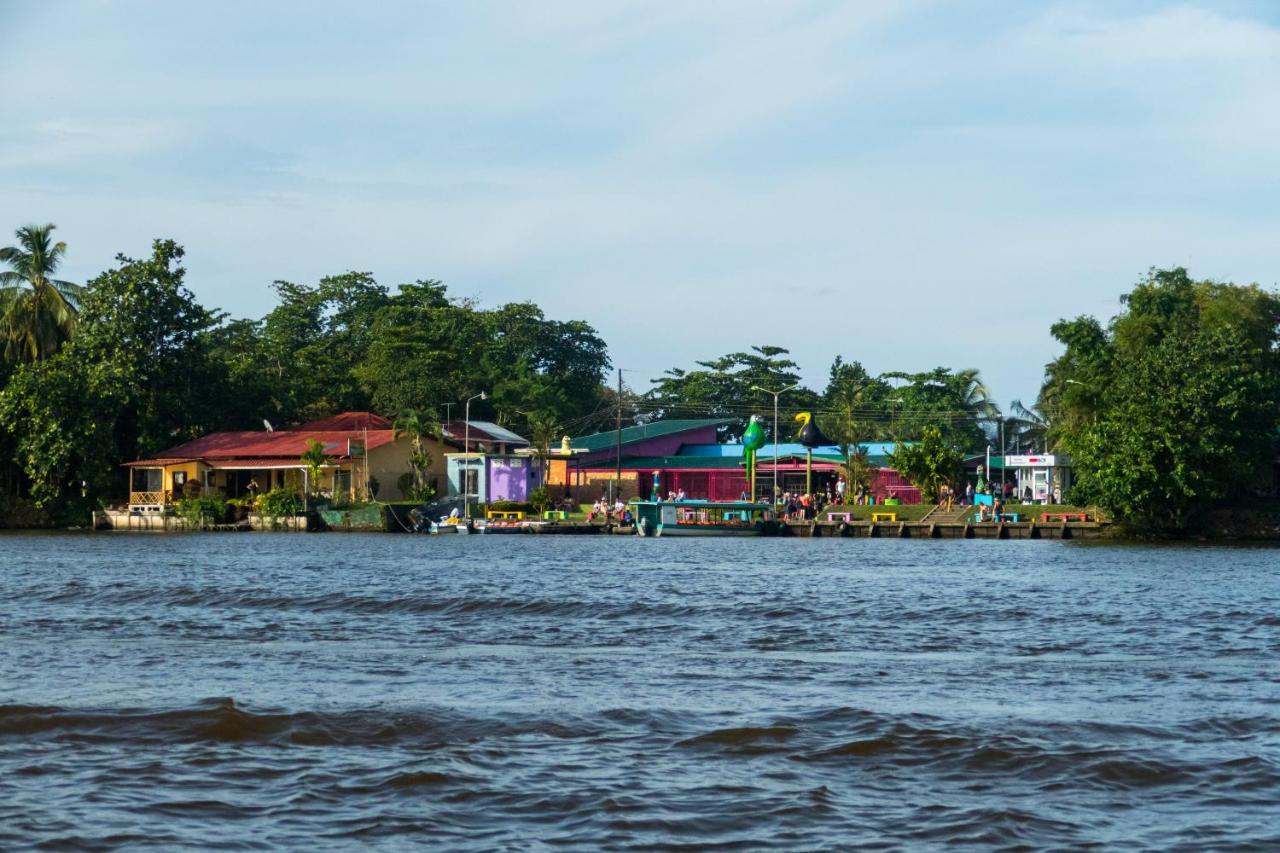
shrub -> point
(201, 512)
(510, 506)
(409, 487)
(279, 503)
(192, 489)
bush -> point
(192, 489)
(201, 512)
(279, 503)
(21, 513)
(510, 506)
(408, 485)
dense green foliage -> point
(1168, 410)
(727, 387)
(928, 463)
(201, 512)
(1175, 405)
(148, 367)
(280, 502)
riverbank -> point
(1248, 521)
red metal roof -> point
(270, 445)
(346, 421)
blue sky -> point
(907, 184)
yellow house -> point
(366, 460)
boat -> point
(703, 518)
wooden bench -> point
(555, 515)
(846, 517)
(499, 515)
(884, 516)
(1064, 517)
(1016, 518)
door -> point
(1040, 484)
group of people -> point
(949, 495)
(802, 507)
(615, 513)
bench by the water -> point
(499, 515)
(884, 516)
(1064, 517)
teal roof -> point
(650, 463)
(632, 434)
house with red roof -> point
(365, 459)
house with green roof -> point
(682, 455)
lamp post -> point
(774, 497)
(466, 449)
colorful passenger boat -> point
(703, 518)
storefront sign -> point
(1029, 461)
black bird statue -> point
(809, 436)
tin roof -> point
(346, 421)
(485, 431)
(657, 429)
(270, 445)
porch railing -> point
(160, 498)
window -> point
(179, 480)
(147, 479)
(471, 482)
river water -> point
(333, 691)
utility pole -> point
(776, 394)
(617, 474)
(1002, 452)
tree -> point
(37, 311)
(133, 381)
(725, 388)
(418, 426)
(851, 397)
(1028, 428)
(311, 343)
(928, 463)
(543, 432)
(957, 403)
(1175, 405)
(61, 412)
(140, 318)
(315, 459)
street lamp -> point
(776, 394)
(466, 449)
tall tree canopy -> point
(133, 380)
(1175, 404)
(726, 387)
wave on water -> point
(262, 599)
(1053, 757)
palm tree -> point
(1028, 428)
(543, 430)
(418, 426)
(37, 311)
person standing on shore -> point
(841, 486)
(968, 494)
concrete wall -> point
(388, 462)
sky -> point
(906, 184)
